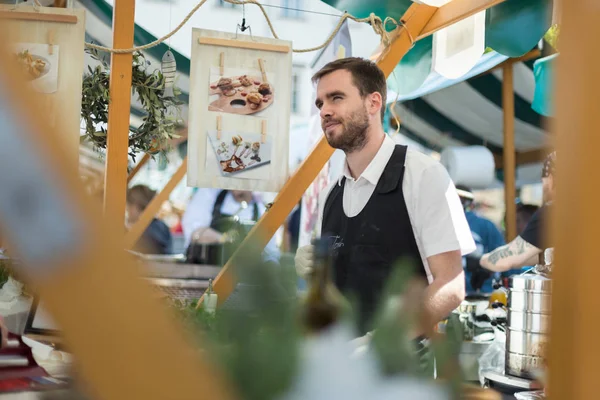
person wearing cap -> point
(527, 248)
(487, 237)
(388, 204)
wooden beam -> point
(453, 12)
(38, 17)
(138, 167)
(140, 226)
(510, 194)
(415, 19)
(127, 344)
(532, 55)
(574, 347)
(526, 157)
(117, 148)
(444, 16)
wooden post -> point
(509, 158)
(574, 346)
(127, 343)
(415, 19)
(115, 181)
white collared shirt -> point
(434, 208)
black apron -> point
(222, 222)
(366, 246)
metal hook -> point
(243, 27)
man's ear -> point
(375, 102)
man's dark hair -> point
(140, 196)
(366, 76)
(527, 209)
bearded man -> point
(388, 204)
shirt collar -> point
(375, 168)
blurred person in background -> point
(487, 237)
(157, 238)
(211, 213)
(527, 248)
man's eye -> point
(337, 98)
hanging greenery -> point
(552, 36)
(162, 116)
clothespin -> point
(219, 120)
(222, 63)
(261, 64)
(51, 41)
(263, 137)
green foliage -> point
(552, 36)
(258, 348)
(162, 117)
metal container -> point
(523, 366)
(528, 324)
(530, 283)
(529, 321)
(526, 343)
(529, 302)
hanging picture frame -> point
(239, 115)
(48, 43)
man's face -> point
(548, 188)
(344, 114)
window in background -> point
(224, 4)
(295, 93)
(290, 9)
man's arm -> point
(447, 290)
(516, 254)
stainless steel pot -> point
(526, 343)
(529, 301)
(530, 283)
(529, 321)
(523, 366)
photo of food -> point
(239, 92)
(39, 64)
(245, 155)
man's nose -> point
(326, 112)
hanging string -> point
(170, 19)
(376, 22)
(393, 105)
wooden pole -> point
(415, 19)
(574, 346)
(150, 211)
(127, 343)
(117, 148)
(509, 157)
(138, 167)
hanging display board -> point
(48, 43)
(239, 116)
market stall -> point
(418, 21)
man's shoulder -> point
(417, 159)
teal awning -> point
(513, 28)
(543, 99)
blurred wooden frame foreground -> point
(125, 341)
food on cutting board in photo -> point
(31, 65)
(254, 100)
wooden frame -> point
(244, 44)
(86, 284)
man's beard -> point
(354, 132)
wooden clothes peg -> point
(222, 63)
(51, 41)
(219, 127)
(261, 64)
(263, 137)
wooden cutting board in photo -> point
(242, 95)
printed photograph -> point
(243, 155)
(39, 65)
(242, 92)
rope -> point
(376, 22)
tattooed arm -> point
(516, 254)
